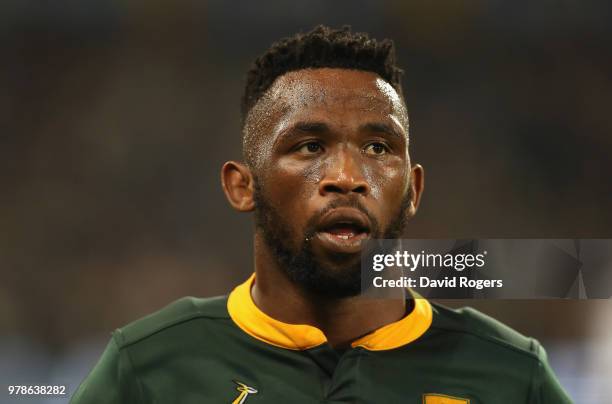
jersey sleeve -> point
(111, 380)
(546, 387)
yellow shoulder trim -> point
(433, 398)
(259, 325)
(402, 332)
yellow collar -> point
(258, 324)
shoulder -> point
(178, 315)
(143, 344)
(471, 323)
(484, 345)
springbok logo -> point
(244, 392)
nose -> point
(344, 175)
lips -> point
(342, 230)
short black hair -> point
(321, 47)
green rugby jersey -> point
(226, 350)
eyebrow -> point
(382, 128)
(321, 127)
(299, 128)
(315, 127)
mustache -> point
(352, 202)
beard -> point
(341, 276)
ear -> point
(417, 185)
(238, 185)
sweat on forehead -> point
(318, 89)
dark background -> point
(115, 118)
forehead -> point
(326, 88)
(338, 97)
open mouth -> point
(346, 231)
(342, 230)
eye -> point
(310, 148)
(376, 148)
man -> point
(326, 166)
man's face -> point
(332, 170)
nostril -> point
(361, 189)
(332, 188)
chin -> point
(331, 279)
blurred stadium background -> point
(116, 117)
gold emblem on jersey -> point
(244, 392)
(433, 398)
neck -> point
(342, 320)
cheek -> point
(291, 185)
(313, 174)
(388, 181)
